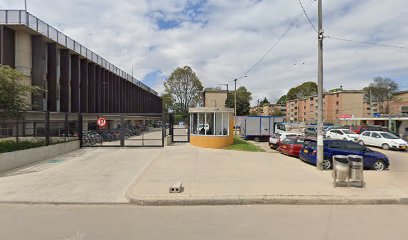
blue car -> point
(372, 159)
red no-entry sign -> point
(101, 122)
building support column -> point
(52, 78)
(75, 84)
(91, 88)
(39, 72)
(84, 86)
(97, 89)
(65, 80)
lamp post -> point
(235, 102)
(224, 84)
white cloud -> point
(223, 39)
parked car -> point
(371, 159)
(291, 146)
(361, 129)
(385, 140)
(344, 134)
(276, 138)
(311, 131)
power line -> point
(304, 11)
(293, 22)
(365, 42)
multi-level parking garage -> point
(79, 86)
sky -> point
(222, 39)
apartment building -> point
(399, 104)
(335, 105)
(269, 110)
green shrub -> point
(11, 146)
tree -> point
(243, 101)
(264, 102)
(14, 92)
(183, 90)
(381, 91)
(306, 89)
(282, 100)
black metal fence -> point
(179, 130)
(49, 127)
(122, 130)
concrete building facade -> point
(214, 98)
(75, 79)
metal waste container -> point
(341, 169)
(356, 169)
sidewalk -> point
(212, 176)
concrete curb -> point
(273, 200)
(65, 203)
(223, 201)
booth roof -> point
(210, 110)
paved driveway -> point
(85, 175)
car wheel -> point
(327, 164)
(385, 146)
(257, 139)
(361, 143)
(379, 165)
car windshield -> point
(288, 140)
(299, 141)
(348, 132)
(389, 136)
(310, 144)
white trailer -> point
(259, 128)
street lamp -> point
(224, 84)
(235, 102)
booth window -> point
(210, 124)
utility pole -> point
(25, 5)
(235, 102)
(257, 108)
(320, 153)
(235, 105)
(371, 104)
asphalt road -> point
(50, 222)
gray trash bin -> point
(356, 169)
(341, 169)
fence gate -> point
(179, 131)
(122, 130)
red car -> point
(291, 146)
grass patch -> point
(242, 145)
(11, 146)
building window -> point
(210, 124)
(337, 103)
